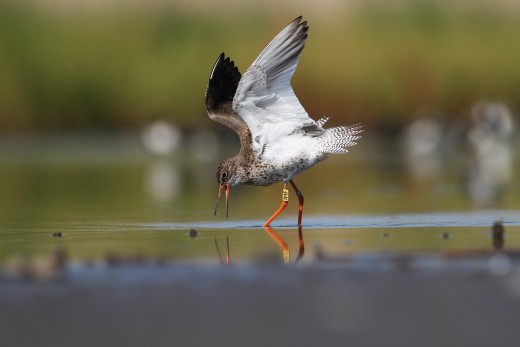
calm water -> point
(109, 197)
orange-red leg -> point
(300, 201)
(282, 207)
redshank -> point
(278, 139)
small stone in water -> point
(57, 234)
(193, 233)
(446, 235)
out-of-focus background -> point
(117, 65)
(102, 114)
(107, 186)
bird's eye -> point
(223, 175)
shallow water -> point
(106, 198)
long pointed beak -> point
(227, 188)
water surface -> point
(106, 196)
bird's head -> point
(229, 174)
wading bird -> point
(278, 139)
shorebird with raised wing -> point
(278, 139)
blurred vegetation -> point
(117, 67)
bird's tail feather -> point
(336, 140)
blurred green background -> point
(96, 65)
(104, 132)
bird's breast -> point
(263, 173)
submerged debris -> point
(319, 252)
(45, 268)
(349, 242)
(497, 233)
(115, 259)
(193, 233)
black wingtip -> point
(223, 82)
(217, 64)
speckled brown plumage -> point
(278, 140)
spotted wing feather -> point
(336, 140)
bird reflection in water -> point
(284, 248)
(491, 139)
(228, 255)
(423, 140)
(283, 245)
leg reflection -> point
(219, 253)
(283, 245)
(301, 250)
